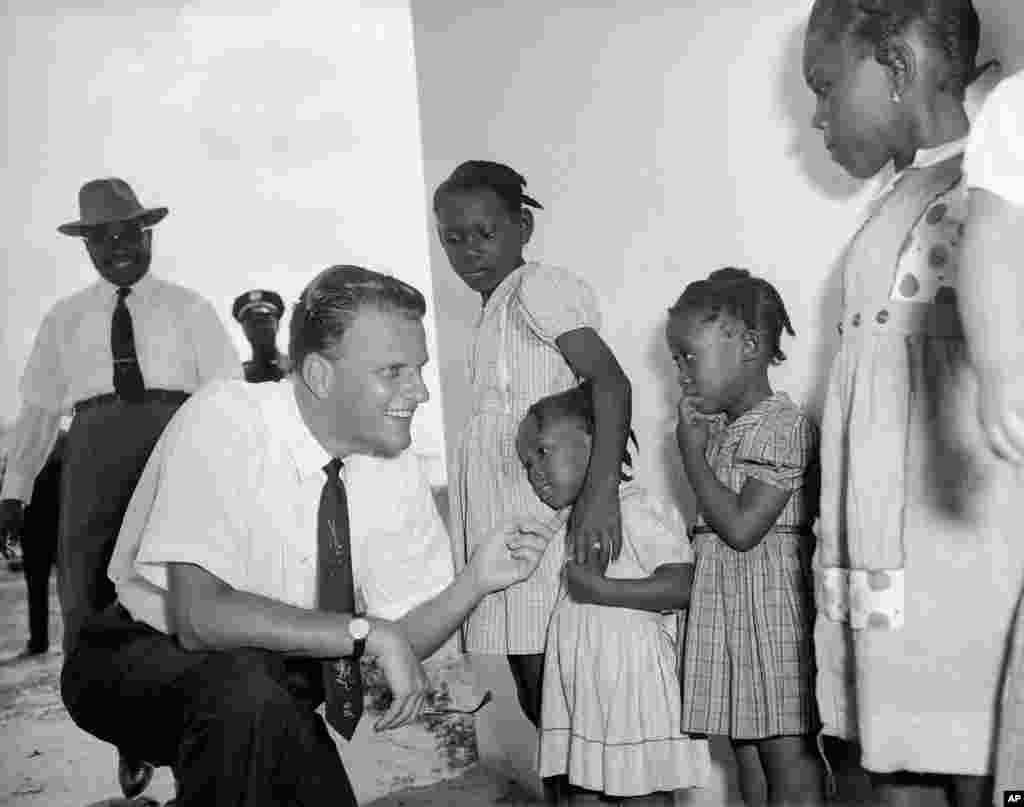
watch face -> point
(358, 628)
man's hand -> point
(583, 582)
(510, 554)
(594, 535)
(1001, 412)
(12, 522)
(404, 674)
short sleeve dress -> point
(513, 363)
(611, 690)
(748, 670)
(918, 561)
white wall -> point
(664, 142)
(284, 137)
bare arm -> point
(208, 614)
(510, 554)
(666, 589)
(596, 516)
(741, 520)
(429, 625)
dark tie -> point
(343, 682)
(128, 382)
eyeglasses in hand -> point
(440, 711)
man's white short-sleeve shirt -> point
(233, 486)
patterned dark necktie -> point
(128, 382)
(343, 682)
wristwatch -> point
(358, 629)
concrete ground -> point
(47, 760)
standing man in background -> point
(259, 313)
(42, 522)
(122, 354)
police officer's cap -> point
(258, 301)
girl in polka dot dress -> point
(918, 559)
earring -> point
(896, 97)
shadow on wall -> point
(806, 147)
(660, 360)
(808, 151)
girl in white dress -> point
(610, 720)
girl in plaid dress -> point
(537, 334)
(751, 457)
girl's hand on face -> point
(692, 427)
(583, 582)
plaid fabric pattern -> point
(748, 668)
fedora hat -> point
(105, 201)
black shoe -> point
(133, 775)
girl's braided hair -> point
(951, 26)
(752, 300)
(507, 183)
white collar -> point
(937, 154)
(310, 457)
(141, 288)
(923, 158)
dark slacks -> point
(239, 728)
(107, 448)
(39, 545)
(528, 673)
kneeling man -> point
(263, 512)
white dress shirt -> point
(180, 341)
(233, 486)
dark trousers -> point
(39, 544)
(239, 728)
(107, 448)
(528, 673)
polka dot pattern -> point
(935, 213)
(928, 262)
(909, 286)
(869, 599)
